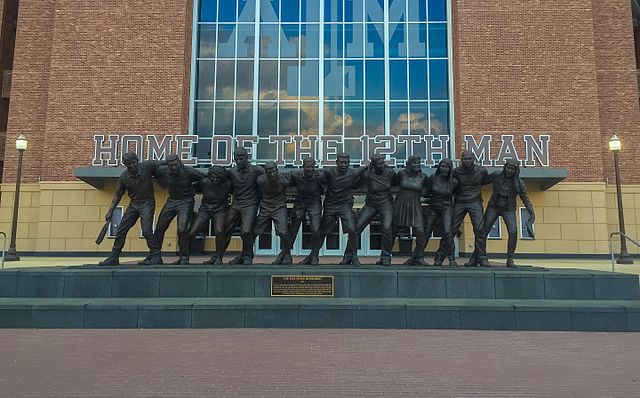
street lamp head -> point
(615, 144)
(21, 142)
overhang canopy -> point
(546, 177)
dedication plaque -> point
(301, 286)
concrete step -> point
(349, 282)
(484, 314)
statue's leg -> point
(348, 220)
(184, 210)
(386, 226)
(167, 214)
(128, 220)
(280, 225)
(509, 218)
(490, 217)
(447, 237)
(296, 221)
(248, 216)
(231, 222)
(219, 229)
(477, 220)
(146, 211)
(421, 243)
(429, 222)
(458, 214)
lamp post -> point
(614, 146)
(21, 146)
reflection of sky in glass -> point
(224, 80)
(244, 85)
(206, 73)
(290, 10)
(439, 89)
(244, 116)
(246, 10)
(288, 112)
(207, 45)
(440, 118)
(398, 80)
(208, 10)
(227, 13)
(294, 67)
(204, 119)
(437, 10)
(437, 40)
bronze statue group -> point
(258, 199)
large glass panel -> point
(333, 40)
(437, 10)
(418, 79)
(309, 79)
(310, 10)
(309, 121)
(225, 80)
(227, 11)
(417, 39)
(354, 10)
(246, 41)
(267, 118)
(354, 40)
(398, 117)
(290, 10)
(208, 10)
(333, 11)
(224, 118)
(268, 80)
(417, 10)
(437, 40)
(203, 149)
(353, 80)
(246, 10)
(226, 41)
(373, 10)
(353, 146)
(288, 123)
(269, 35)
(333, 73)
(398, 80)
(374, 122)
(438, 83)
(289, 80)
(374, 47)
(266, 151)
(397, 10)
(289, 44)
(397, 42)
(269, 10)
(375, 80)
(207, 37)
(244, 85)
(419, 118)
(244, 118)
(204, 119)
(206, 76)
(310, 37)
(333, 118)
(353, 119)
(439, 118)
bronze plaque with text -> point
(302, 285)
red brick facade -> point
(560, 67)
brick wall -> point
(617, 85)
(528, 67)
(83, 67)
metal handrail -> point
(613, 262)
(4, 248)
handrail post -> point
(4, 248)
(622, 236)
